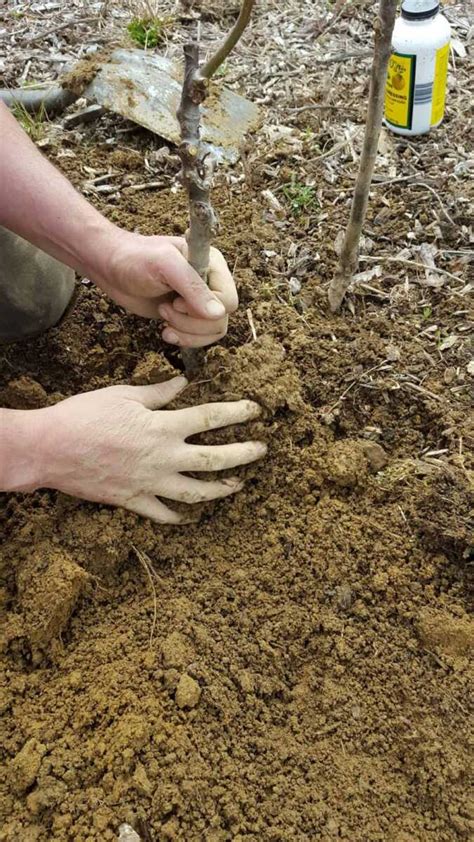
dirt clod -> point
(23, 393)
(176, 651)
(451, 635)
(347, 463)
(188, 692)
(25, 765)
(153, 368)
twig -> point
(350, 247)
(337, 147)
(150, 573)
(208, 70)
(351, 386)
(252, 324)
(435, 194)
(388, 259)
(337, 57)
(146, 185)
(69, 23)
(410, 178)
(313, 106)
(421, 390)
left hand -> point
(150, 276)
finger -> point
(158, 394)
(188, 340)
(150, 507)
(220, 457)
(188, 490)
(180, 306)
(212, 416)
(221, 281)
(188, 324)
(180, 276)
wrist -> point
(98, 244)
(22, 460)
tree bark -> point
(197, 159)
(198, 164)
(349, 257)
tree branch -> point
(198, 165)
(233, 37)
(349, 257)
(197, 159)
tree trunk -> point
(197, 159)
(349, 257)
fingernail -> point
(255, 410)
(262, 448)
(235, 483)
(215, 309)
(163, 311)
(171, 336)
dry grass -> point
(152, 576)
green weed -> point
(300, 197)
(148, 32)
(32, 124)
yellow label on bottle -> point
(439, 84)
(399, 90)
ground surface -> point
(317, 626)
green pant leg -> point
(35, 289)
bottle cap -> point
(419, 9)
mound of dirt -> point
(308, 676)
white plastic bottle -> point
(418, 68)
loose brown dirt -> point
(309, 676)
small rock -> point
(449, 375)
(127, 834)
(25, 766)
(392, 353)
(188, 692)
(375, 454)
(294, 285)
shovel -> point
(146, 89)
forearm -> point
(39, 204)
(21, 433)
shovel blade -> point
(146, 89)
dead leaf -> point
(427, 253)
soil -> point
(309, 676)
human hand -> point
(150, 276)
(109, 446)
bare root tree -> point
(197, 159)
(349, 257)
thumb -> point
(181, 277)
(159, 394)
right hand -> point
(151, 277)
(109, 446)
